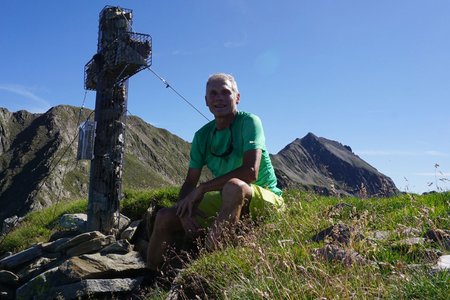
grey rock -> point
(129, 232)
(64, 234)
(94, 288)
(119, 247)
(381, 235)
(38, 266)
(409, 242)
(91, 246)
(9, 253)
(407, 232)
(81, 238)
(443, 263)
(122, 221)
(8, 278)
(10, 223)
(39, 286)
(104, 266)
(73, 221)
(53, 246)
(339, 233)
(347, 257)
(13, 261)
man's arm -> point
(247, 172)
(190, 183)
(188, 188)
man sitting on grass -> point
(233, 148)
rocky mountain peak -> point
(327, 166)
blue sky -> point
(374, 75)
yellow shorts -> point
(262, 204)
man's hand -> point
(187, 210)
(186, 205)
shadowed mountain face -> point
(38, 165)
(328, 167)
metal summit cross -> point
(120, 54)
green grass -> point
(276, 260)
(136, 202)
(38, 226)
(140, 177)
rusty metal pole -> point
(105, 188)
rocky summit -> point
(330, 168)
(38, 165)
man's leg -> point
(235, 193)
(167, 230)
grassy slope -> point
(276, 261)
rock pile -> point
(76, 264)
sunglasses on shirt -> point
(229, 148)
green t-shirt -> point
(246, 133)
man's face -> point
(221, 99)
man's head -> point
(223, 77)
(222, 95)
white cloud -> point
(32, 102)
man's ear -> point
(206, 101)
(238, 98)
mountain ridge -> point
(38, 161)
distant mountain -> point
(38, 163)
(38, 168)
(328, 167)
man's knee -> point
(167, 220)
(236, 191)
